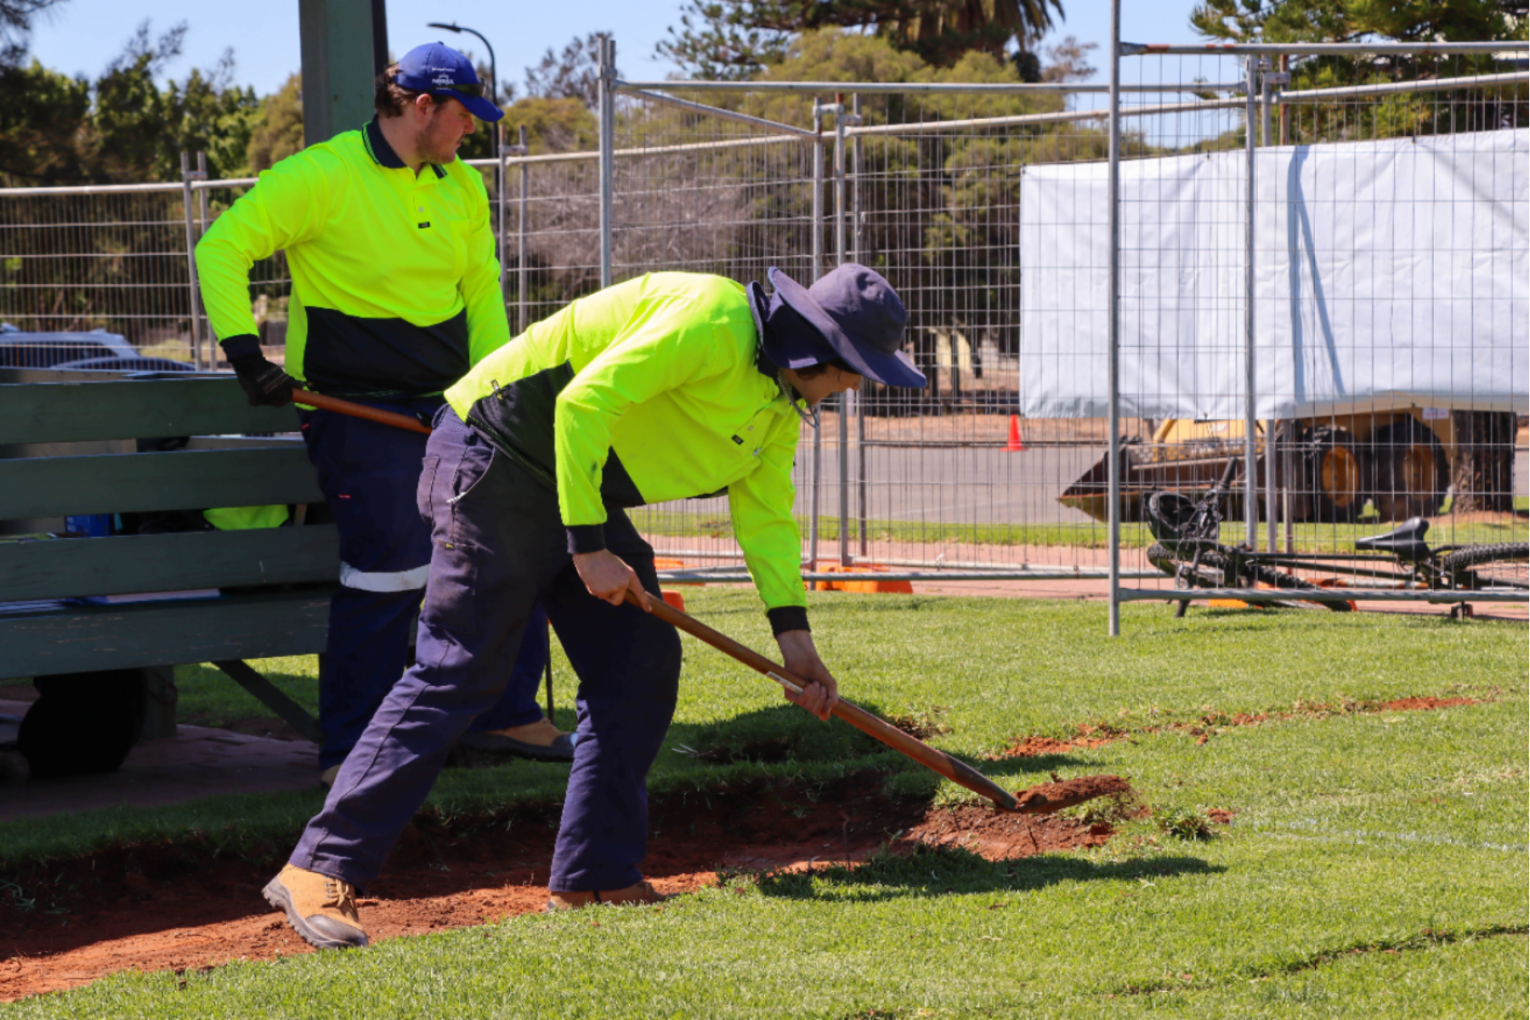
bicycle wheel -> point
(1215, 569)
(1502, 565)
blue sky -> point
(82, 36)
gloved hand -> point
(263, 381)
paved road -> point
(986, 485)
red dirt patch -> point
(1052, 797)
(1208, 723)
(184, 906)
(1424, 704)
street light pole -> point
(499, 140)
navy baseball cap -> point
(438, 70)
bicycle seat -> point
(1406, 542)
(1174, 517)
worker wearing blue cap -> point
(395, 296)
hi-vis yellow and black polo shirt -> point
(395, 285)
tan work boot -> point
(641, 894)
(540, 740)
(327, 777)
(319, 908)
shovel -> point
(937, 761)
(323, 403)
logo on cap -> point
(442, 79)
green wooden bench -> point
(73, 448)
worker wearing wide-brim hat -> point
(669, 386)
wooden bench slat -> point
(184, 480)
(65, 568)
(133, 409)
(164, 633)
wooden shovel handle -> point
(319, 400)
(935, 760)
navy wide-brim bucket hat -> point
(860, 316)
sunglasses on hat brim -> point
(471, 89)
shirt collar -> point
(382, 153)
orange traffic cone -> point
(1016, 444)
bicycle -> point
(1187, 547)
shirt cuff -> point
(585, 538)
(785, 618)
(241, 346)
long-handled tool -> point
(937, 761)
(319, 400)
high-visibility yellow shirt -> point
(645, 392)
(395, 284)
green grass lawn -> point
(1375, 866)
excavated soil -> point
(179, 906)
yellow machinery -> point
(1326, 469)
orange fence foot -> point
(868, 587)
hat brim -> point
(894, 369)
(478, 106)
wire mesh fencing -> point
(1321, 325)
(90, 275)
(924, 185)
(1324, 324)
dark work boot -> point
(319, 908)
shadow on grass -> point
(945, 870)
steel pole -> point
(846, 400)
(202, 229)
(1250, 447)
(817, 249)
(520, 269)
(607, 154)
(503, 169)
(187, 176)
(1271, 507)
(1113, 465)
(860, 405)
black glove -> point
(262, 381)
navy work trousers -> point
(498, 549)
(369, 473)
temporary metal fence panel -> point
(969, 198)
(1323, 299)
(923, 183)
(79, 261)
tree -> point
(278, 129)
(739, 38)
(573, 74)
(16, 27)
(1277, 21)
(122, 128)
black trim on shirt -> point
(382, 153)
(348, 354)
(785, 618)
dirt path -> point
(177, 907)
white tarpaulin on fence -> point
(1388, 274)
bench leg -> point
(269, 695)
(159, 719)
